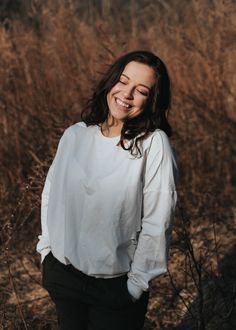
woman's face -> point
(129, 95)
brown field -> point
(52, 52)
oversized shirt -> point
(106, 212)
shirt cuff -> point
(134, 290)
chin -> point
(117, 114)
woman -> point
(108, 200)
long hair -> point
(154, 114)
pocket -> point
(116, 292)
(131, 299)
(128, 296)
(46, 257)
(49, 260)
(47, 266)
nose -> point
(128, 93)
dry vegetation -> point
(51, 53)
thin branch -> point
(14, 290)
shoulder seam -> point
(81, 124)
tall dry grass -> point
(51, 55)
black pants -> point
(87, 303)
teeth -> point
(122, 103)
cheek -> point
(109, 95)
(141, 102)
(114, 90)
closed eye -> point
(143, 93)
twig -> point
(179, 295)
(14, 290)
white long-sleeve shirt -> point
(106, 212)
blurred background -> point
(52, 54)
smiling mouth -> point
(122, 104)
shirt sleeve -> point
(159, 200)
(43, 245)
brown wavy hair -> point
(154, 114)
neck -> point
(111, 127)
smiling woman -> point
(129, 95)
(106, 216)
(132, 99)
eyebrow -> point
(139, 84)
